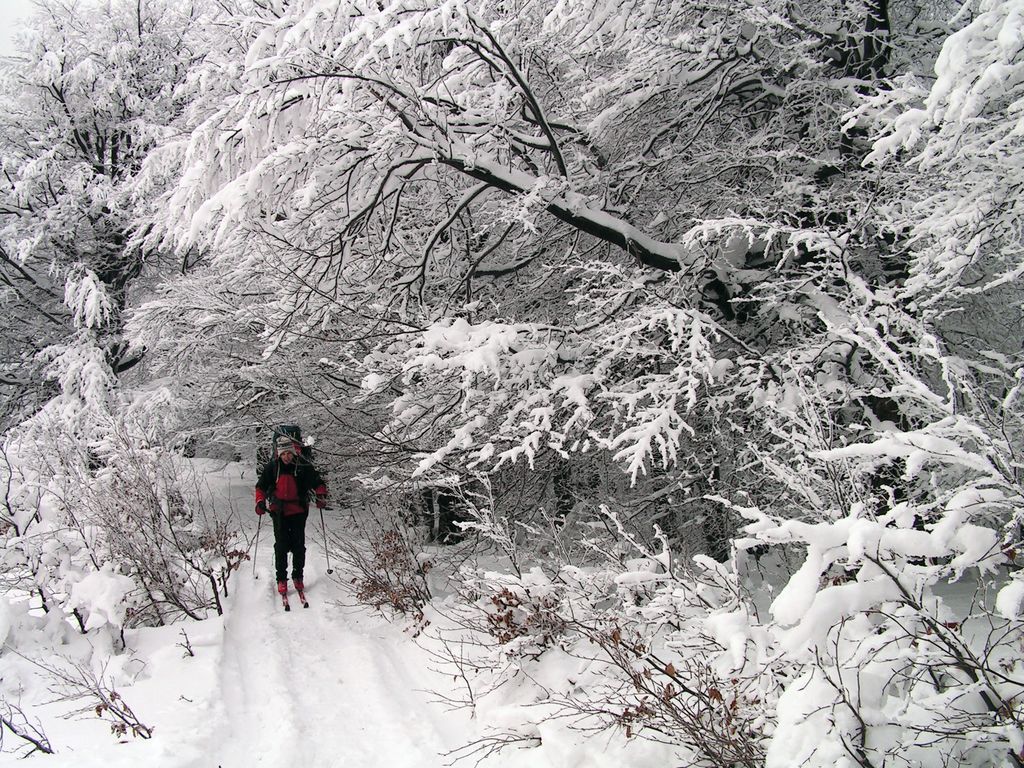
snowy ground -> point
(329, 686)
(317, 687)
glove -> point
(321, 495)
(261, 508)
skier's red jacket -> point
(286, 487)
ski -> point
(284, 602)
(302, 598)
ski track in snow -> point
(310, 688)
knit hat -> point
(286, 444)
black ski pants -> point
(289, 536)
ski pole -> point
(259, 524)
(327, 549)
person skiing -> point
(283, 489)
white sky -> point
(10, 12)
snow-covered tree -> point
(92, 485)
(375, 168)
(90, 93)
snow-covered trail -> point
(315, 687)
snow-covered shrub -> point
(96, 694)
(158, 526)
(103, 598)
(48, 546)
(677, 657)
(14, 721)
(521, 614)
(27, 637)
(393, 578)
(117, 532)
(390, 572)
(892, 616)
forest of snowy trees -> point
(702, 319)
